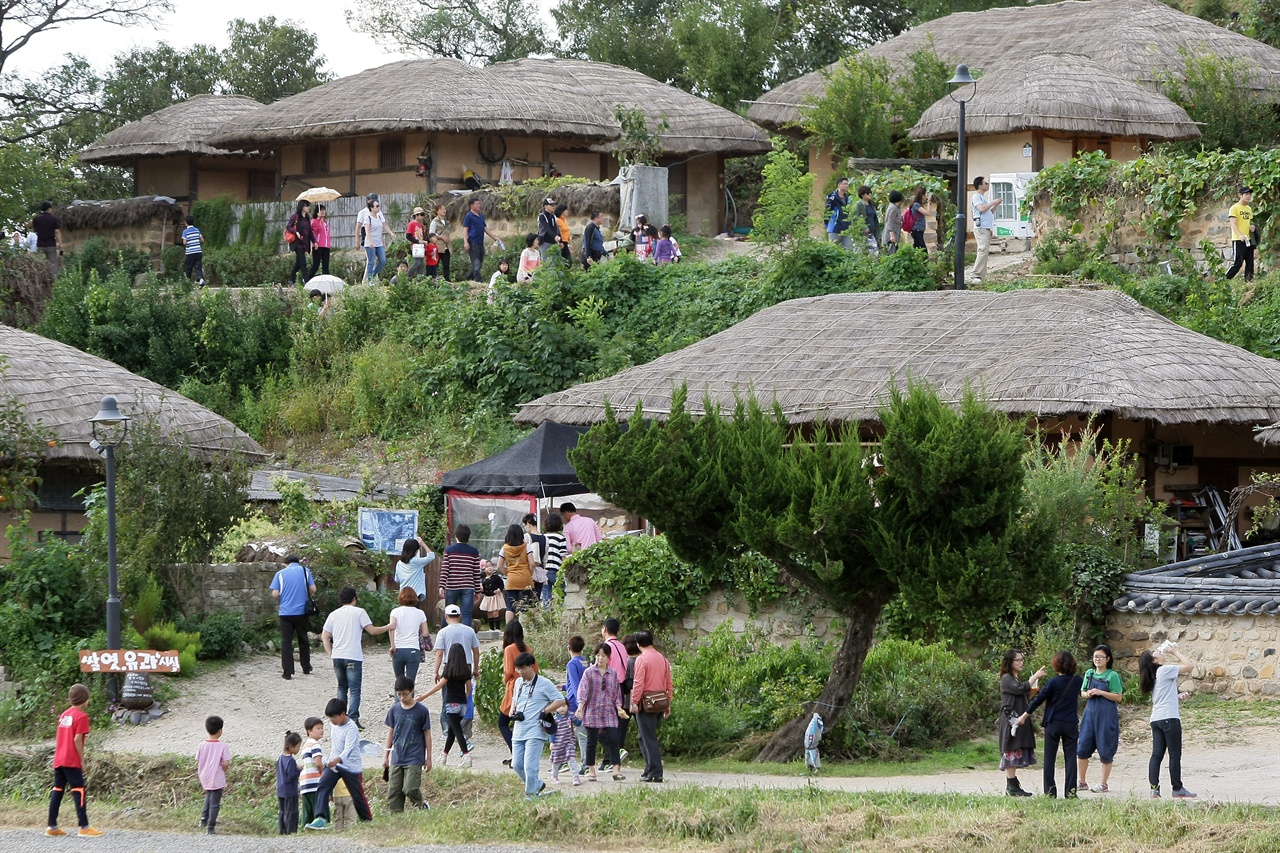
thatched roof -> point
(180, 129)
(119, 212)
(565, 99)
(1029, 352)
(60, 388)
(1139, 40)
(1059, 93)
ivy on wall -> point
(1172, 187)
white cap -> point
(453, 610)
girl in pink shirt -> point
(320, 239)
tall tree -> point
(480, 32)
(635, 35)
(146, 79)
(40, 103)
(936, 529)
(268, 61)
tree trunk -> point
(788, 742)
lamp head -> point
(109, 425)
(961, 79)
(109, 413)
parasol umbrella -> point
(318, 194)
(327, 284)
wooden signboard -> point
(128, 661)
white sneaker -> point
(975, 279)
(466, 759)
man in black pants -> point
(293, 587)
(1244, 234)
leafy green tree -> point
(782, 213)
(1229, 117)
(867, 111)
(728, 48)
(268, 61)
(1262, 21)
(144, 80)
(936, 529)
(476, 31)
(634, 35)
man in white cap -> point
(548, 228)
(454, 632)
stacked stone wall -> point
(1235, 656)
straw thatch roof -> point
(1138, 40)
(1029, 352)
(566, 99)
(183, 128)
(119, 212)
(60, 388)
(1059, 93)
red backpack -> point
(908, 220)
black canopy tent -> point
(538, 466)
(494, 493)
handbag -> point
(655, 702)
(418, 250)
(290, 236)
(312, 609)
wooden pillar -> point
(821, 165)
(351, 166)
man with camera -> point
(534, 701)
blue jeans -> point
(548, 587)
(375, 259)
(405, 662)
(465, 599)
(349, 673)
(526, 760)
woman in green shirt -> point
(1100, 726)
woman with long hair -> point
(322, 240)
(1159, 678)
(513, 646)
(921, 220)
(300, 226)
(1100, 726)
(514, 565)
(411, 570)
(455, 680)
(1017, 742)
(1061, 699)
(371, 232)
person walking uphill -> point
(1244, 234)
(837, 217)
(1017, 742)
(1160, 679)
(651, 695)
(342, 637)
(293, 587)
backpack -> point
(909, 219)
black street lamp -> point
(109, 429)
(961, 80)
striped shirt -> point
(192, 239)
(460, 568)
(556, 548)
(310, 778)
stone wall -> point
(782, 621)
(149, 236)
(238, 587)
(1235, 656)
(1129, 244)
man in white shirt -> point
(984, 221)
(342, 635)
(456, 633)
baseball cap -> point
(453, 610)
(371, 197)
(548, 200)
(1244, 190)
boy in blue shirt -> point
(193, 240)
(408, 753)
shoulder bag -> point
(655, 702)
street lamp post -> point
(961, 80)
(109, 429)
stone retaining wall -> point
(238, 587)
(782, 621)
(1129, 245)
(1235, 656)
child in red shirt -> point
(68, 762)
(432, 257)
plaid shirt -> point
(599, 698)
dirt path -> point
(1221, 764)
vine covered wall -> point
(1138, 213)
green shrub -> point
(489, 686)
(221, 633)
(244, 265)
(906, 269)
(214, 217)
(639, 579)
(165, 636)
(98, 255)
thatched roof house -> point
(148, 222)
(1065, 95)
(60, 388)
(170, 154)
(1046, 353)
(1054, 356)
(371, 131)
(1139, 40)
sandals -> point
(618, 777)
